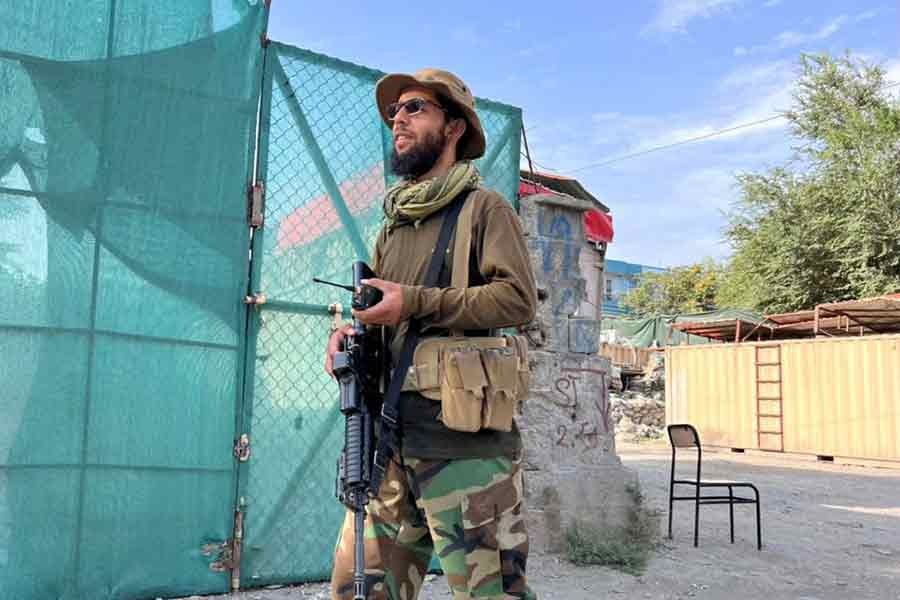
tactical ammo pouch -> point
(479, 381)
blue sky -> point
(598, 80)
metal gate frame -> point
(251, 524)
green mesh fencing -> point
(126, 130)
(130, 361)
(323, 155)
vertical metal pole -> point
(95, 276)
(527, 152)
(236, 549)
(258, 155)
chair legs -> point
(731, 503)
(731, 511)
(670, 519)
(758, 526)
(697, 518)
(671, 504)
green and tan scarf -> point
(407, 201)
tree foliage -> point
(687, 289)
(826, 225)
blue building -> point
(620, 278)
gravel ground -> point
(830, 531)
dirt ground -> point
(830, 531)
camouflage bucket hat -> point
(447, 86)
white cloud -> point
(892, 75)
(685, 189)
(768, 105)
(792, 39)
(467, 35)
(709, 188)
(746, 79)
(892, 70)
(674, 15)
(745, 95)
(534, 50)
(512, 25)
(687, 221)
(771, 3)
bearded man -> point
(453, 486)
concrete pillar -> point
(572, 472)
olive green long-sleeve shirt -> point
(502, 293)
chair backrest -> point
(683, 435)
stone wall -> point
(572, 472)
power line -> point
(537, 164)
(674, 144)
(682, 142)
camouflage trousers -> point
(467, 511)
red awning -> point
(598, 226)
(528, 188)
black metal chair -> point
(685, 436)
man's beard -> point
(419, 158)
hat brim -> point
(389, 88)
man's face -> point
(419, 139)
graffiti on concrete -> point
(584, 336)
(585, 432)
(554, 237)
(567, 386)
(566, 304)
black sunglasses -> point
(413, 106)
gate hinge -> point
(256, 197)
(224, 555)
(241, 449)
(257, 299)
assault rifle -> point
(363, 464)
(359, 368)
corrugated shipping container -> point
(830, 397)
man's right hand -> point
(334, 345)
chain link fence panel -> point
(126, 137)
(323, 153)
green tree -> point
(826, 225)
(685, 289)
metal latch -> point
(336, 311)
(256, 204)
(257, 299)
(242, 448)
(228, 553)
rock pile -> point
(638, 416)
